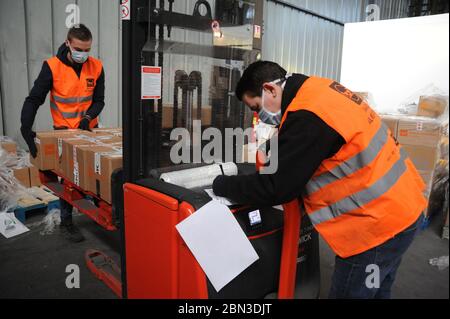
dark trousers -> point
(370, 275)
(66, 211)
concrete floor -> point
(33, 266)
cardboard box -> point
(167, 116)
(432, 106)
(22, 175)
(110, 130)
(109, 163)
(35, 180)
(91, 153)
(416, 131)
(49, 150)
(392, 123)
(108, 139)
(9, 146)
(423, 157)
(103, 161)
(70, 160)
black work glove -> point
(84, 124)
(28, 136)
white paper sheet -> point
(218, 243)
(10, 226)
(222, 200)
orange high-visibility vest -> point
(71, 96)
(369, 191)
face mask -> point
(79, 57)
(267, 116)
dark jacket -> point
(304, 142)
(44, 83)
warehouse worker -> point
(76, 82)
(359, 189)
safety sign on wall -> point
(151, 82)
(125, 9)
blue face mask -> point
(78, 56)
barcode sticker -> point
(98, 163)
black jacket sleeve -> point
(36, 98)
(98, 100)
(303, 143)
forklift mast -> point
(202, 47)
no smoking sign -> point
(125, 7)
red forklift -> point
(181, 62)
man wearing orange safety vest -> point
(76, 82)
(359, 189)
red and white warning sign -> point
(257, 32)
(151, 82)
(125, 7)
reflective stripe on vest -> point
(353, 164)
(70, 100)
(67, 115)
(362, 197)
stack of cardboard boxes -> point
(28, 176)
(87, 159)
(420, 136)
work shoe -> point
(71, 232)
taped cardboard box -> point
(35, 180)
(90, 165)
(111, 131)
(48, 149)
(22, 175)
(108, 139)
(423, 157)
(9, 146)
(70, 158)
(419, 131)
(432, 106)
(392, 123)
(104, 162)
(167, 116)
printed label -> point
(59, 147)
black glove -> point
(84, 124)
(28, 136)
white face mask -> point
(265, 115)
(78, 56)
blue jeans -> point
(370, 275)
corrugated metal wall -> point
(31, 31)
(311, 45)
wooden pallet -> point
(38, 198)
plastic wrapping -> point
(410, 105)
(10, 188)
(441, 262)
(200, 176)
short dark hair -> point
(256, 75)
(80, 32)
